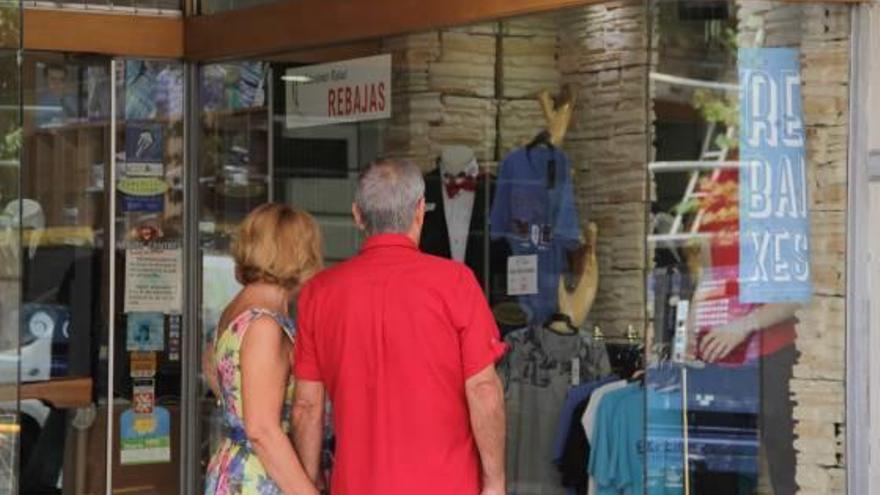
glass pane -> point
(11, 424)
(142, 7)
(65, 154)
(149, 267)
(233, 176)
(207, 7)
(557, 151)
(748, 247)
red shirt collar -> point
(388, 240)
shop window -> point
(609, 205)
(143, 7)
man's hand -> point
(493, 491)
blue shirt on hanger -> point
(616, 456)
(534, 210)
(574, 397)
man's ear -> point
(358, 216)
(420, 212)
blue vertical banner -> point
(774, 220)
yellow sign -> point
(143, 186)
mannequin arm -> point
(577, 300)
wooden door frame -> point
(103, 33)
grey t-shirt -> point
(537, 373)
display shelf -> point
(236, 112)
(63, 393)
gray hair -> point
(388, 192)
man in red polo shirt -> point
(405, 345)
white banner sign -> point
(340, 92)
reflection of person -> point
(405, 345)
(733, 333)
(55, 101)
(277, 250)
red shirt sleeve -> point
(480, 340)
(305, 365)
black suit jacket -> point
(481, 253)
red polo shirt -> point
(393, 334)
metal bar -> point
(688, 166)
(111, 249)
(658, 238)
(693, 83)
(862, 470)
(190, 326)
(270, 134)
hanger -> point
(560, 323)
(541, 139)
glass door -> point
(100, 212)
(146, 279)
(10, 243)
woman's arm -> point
(265, 371)
(720, 341)
(209, 370)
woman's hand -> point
(719, 342)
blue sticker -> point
(145, 438)
(143, 204)
(146, 332)
(774, 212)
(144, 149)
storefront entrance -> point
(653, 196)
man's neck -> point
(413, 235)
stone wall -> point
(444, 93)
(823, 35)
(604, 52)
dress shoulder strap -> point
(284, 322)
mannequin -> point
(455, 195)
(459, 170)
(535, 212)
(558, 114)
(575, 299)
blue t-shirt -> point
(574, 397)
(616, 456)
(665, 432)
(534, 210)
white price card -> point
(522, 275)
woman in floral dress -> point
(248, 365)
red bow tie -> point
(461, 182)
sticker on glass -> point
(143, 396)
(145, 438)
(143, 364)
(146, 332)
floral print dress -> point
(235, 468)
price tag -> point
(522, 275)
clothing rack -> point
(627, 354)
